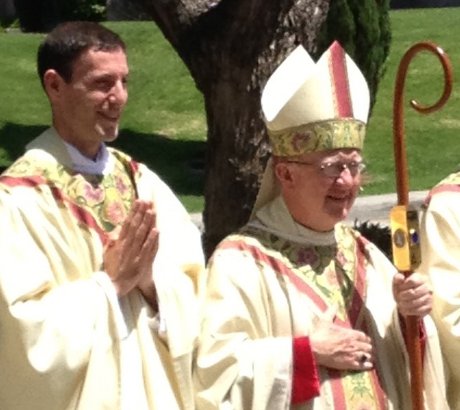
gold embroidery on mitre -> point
(318, 136)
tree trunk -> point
(231, 47)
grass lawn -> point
(164, 123)
(433, 141)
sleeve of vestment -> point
(440, 243)
(50, 331)
(441, 256)
(305, 378)
(178, 272)
(241, 364)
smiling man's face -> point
(87, 110)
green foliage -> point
(91, 10)
(340, 26)
(362, 27)
(43, 15)
(379, 235)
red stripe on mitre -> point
(439, 189)
(339, 79)
(277, 265)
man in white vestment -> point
(101, 267)
(302, 312)
(440, 241)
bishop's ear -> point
(284, 174)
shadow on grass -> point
(180, 163)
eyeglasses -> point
(333, 169)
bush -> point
(363, 29)
(91, 10)
(43, 15)
(379, 235)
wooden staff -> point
(403, 219)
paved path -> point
(372, 208)
(376, 208)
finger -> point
(361, 337)
(416, 309)
(148, 252)
(147, 224)
(363, 347)
(419, 307)
(407, 296)
(150, 246)
(398, 278)
(126, 226)
(415, 294)
(364, 361)
(414, 281)
(138, 227)
(154, 212)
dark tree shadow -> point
(179, 163)
(14, 137)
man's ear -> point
(284, 174)
(52, 82)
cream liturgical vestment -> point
(440, 239)
(268, 285)
(66, 340)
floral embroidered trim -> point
(107, 198)
(318, 136)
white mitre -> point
(312, 107)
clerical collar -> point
(80, 163)
(275, 217)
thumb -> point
(398, 280)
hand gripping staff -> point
(403, 218)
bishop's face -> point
(320, 188)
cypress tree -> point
(363, 28)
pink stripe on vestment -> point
(278, 266)
(441, 188)
(29, 181)
(82, 215)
